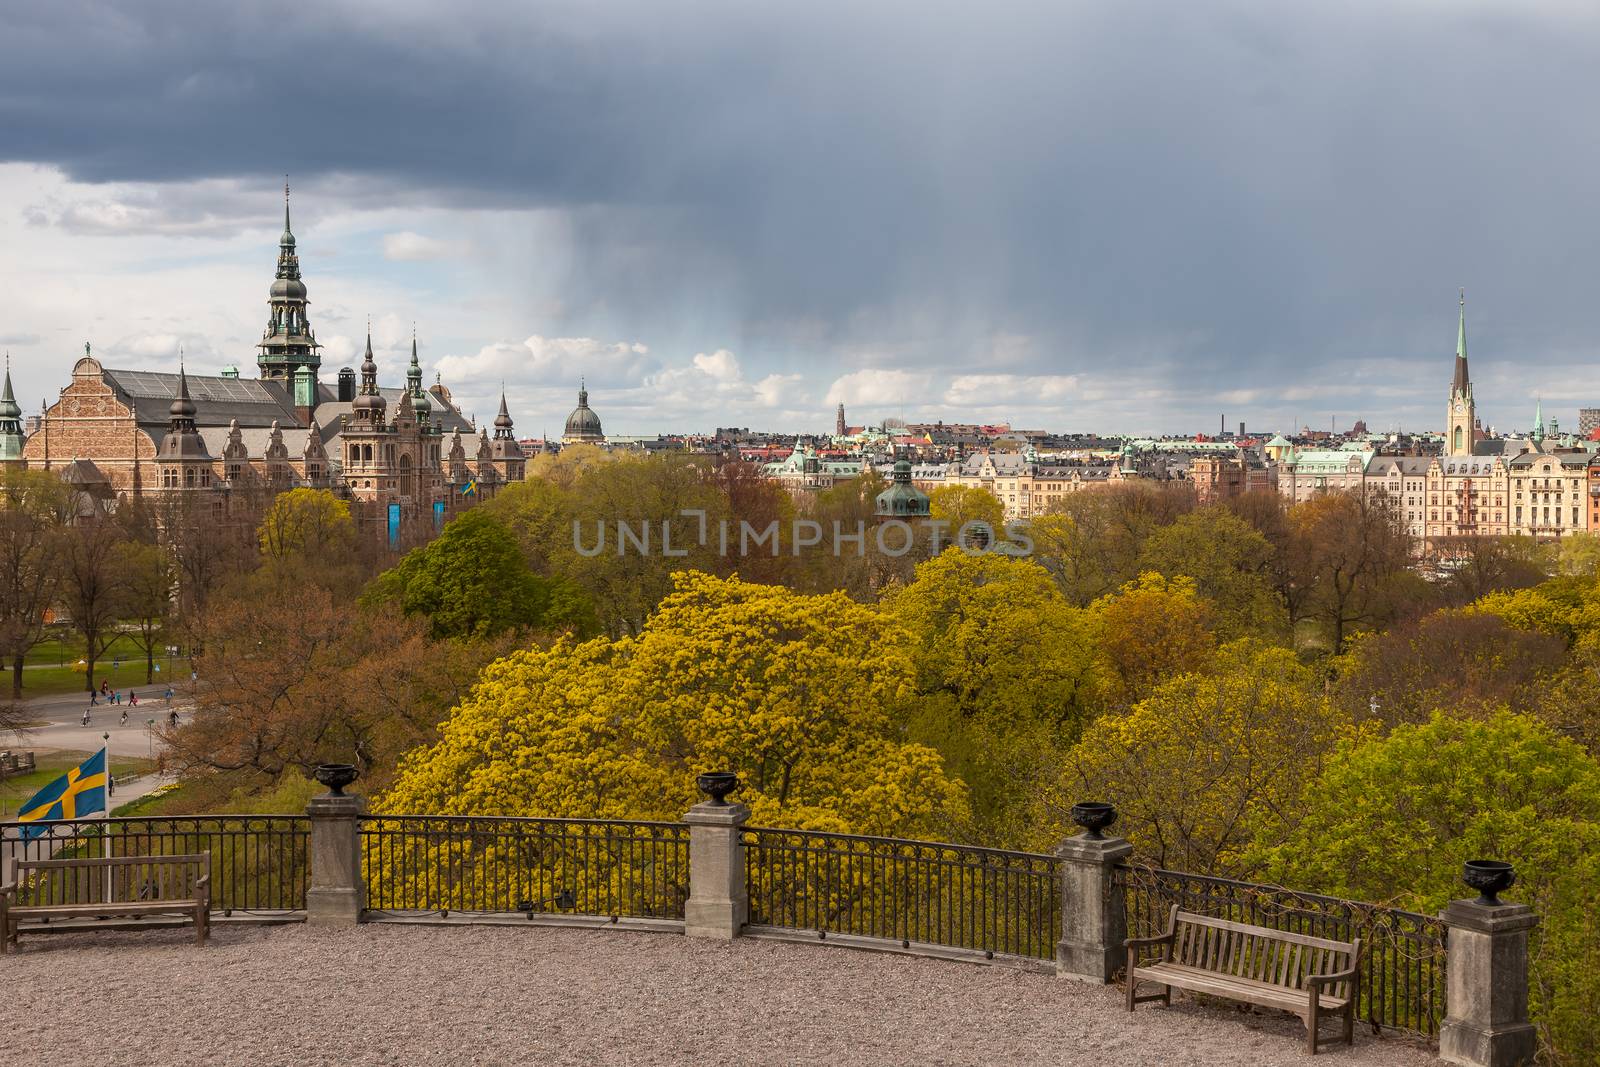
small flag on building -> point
(471, 488)
(79, 792)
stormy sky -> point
(1075, 216)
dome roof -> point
(583, 423)
(288, 289)
(583, 420)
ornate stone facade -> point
(148, 433)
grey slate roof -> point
(217, 400)
(254, 402)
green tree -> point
(33, 517)
(94, 585)
(472, 581)
(1349, 558)
(1005, 671)
(1091, 540)
(1232, 565)
(1393, 819)
(307, 523)
(1203, 761)
(149, 581)
(793, 692)
(957, 505)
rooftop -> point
(527, 994)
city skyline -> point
(1054, 236)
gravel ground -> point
(538, 995)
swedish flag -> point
(79, 792)
(471, 488)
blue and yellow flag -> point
(471, 488)
(79, 792)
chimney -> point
(347, 385)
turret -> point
(11, 440)
(368, 406)
(288, 343)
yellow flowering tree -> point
(793, 692)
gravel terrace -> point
(414, 995)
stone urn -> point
(1094, 817)
(717, 785)
(1490, 878)
(335, 776)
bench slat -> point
(1235, 988)
(1281, 935)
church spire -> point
(287, 240)
(1462, 385)
(10, 420)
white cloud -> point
(552, 360)
(879, 386)
(1010, 390)
(409, 247)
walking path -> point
(420, 996)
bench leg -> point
(1350, 1021)
(1311, 1030)
(202, 922)
(1132, 985)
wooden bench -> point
(1310, 976)
(118, 887)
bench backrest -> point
(132, 879)
(1276, 957)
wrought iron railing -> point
(956, 896)
(259, 863)
(424, 863)
(1402, 983)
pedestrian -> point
(124, 721)
(172, 719)
(92, 700)
(105, 687)
(133, 698)
(86, 716)
(169, 694)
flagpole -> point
(105, 818)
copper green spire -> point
(9, 408)
(1462, 384)
(1538, 419)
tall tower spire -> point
(1461, 416)
(10, 420)
(288, 343)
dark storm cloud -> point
(1193, 193)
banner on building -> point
(394, 525)
(438, 514)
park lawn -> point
(15, 789)
(49, 681)
(51, 668)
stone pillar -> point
(338, 892)
(1094, 920)
(1486, 990)
(717, 904)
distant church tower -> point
(288, 345)
(839, 428)
(1463, 413)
